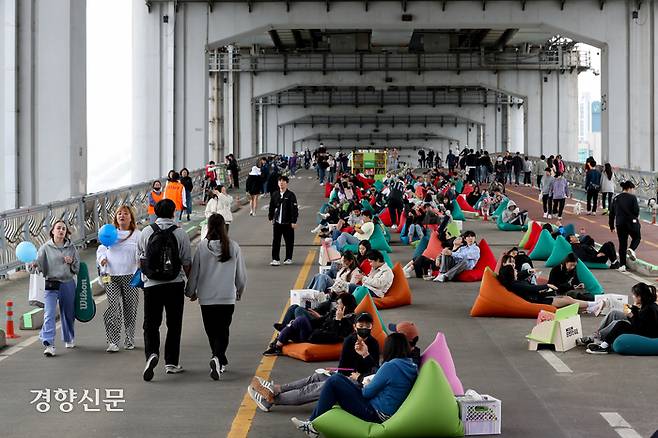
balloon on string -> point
(26, 252)
(108, 235)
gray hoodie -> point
(50, 260)
(215, 282)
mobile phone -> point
(307, 304)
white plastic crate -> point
(480, 417)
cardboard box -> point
(561, 332)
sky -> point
(109, 93)
(588, 81)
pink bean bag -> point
(439, 351)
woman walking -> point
(254, 185)
(220, 203)
(625, 215)
(592, 186)
(186, 180)
(559, 192)
(58, 260)
(218, 278)
(117, 264)
(607, 187)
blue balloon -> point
(108, 235)
(26, 252)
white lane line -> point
(621, 426)
(32, 339)
(554, 361)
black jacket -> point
(288, 205)
(363, 365)
(328, 330)
(534, 293)
(563, 279)
(645, 320)
(585, 252)
(624, 210)
(187, 183)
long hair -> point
(646, 292)
(608, 170)
(351, 264)
(133, 225)
(68, 230)
(217, 231)
(506, 275)
(396, 347)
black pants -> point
(422, 264)
(624, 231)
(547, 203)
(395, 208)
(217, 320)
(539, 181)
(526, 178)
(558, 206)
(235, 175)
(288, 234)
(608, 249)
(171, 298)
(592, 200)
(606, 197)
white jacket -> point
(607, 185)
(221, 205)
(122, 256)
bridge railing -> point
(86, 214)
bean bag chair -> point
(495, 300)
(401, 223)
(635, 345)
(459, 186)
(365, 205)
(560, 250)
(387, 259)
(586, 277)
(477, 204)
(544, 246)
(328, 187)
(535, 231)
(468, 188)
(377, 242)
(487, 260)
(452, 229)
(438, 350)
(385, 217)
(434, 247)
(387, 234)
(501, 207)
(504, 226)
(457, 213)
(464, 205)
(347, 230)
(526, 235)
(366, 304)
(422, 245)
(404, 240)
(399, 294)
(429, 411)
(378, 185)
(367, 182)
(365, 267)
(308, 352)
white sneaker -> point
(69, 344)
(316, 229)
(622, 268)
(407, 273)
(49, 351)
(631, 254)
(129, 346)
(113, 348)
(173, 369)
(545, 215)
(394, 227)
(214, 368)
(550, 216)
(441, 278)
(287, 262)
(151, 363)
(275, 263)
(305, 426)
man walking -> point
(283, 213)
(165, 260)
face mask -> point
(363, 333)
(156, 190)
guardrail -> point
(85, 214)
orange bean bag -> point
(377, 332)
(487, 260)
(434, 247)
(328, 187)
(495, 300)
(313, 352)
(464, 205)
(399, 294)
(535, 231)
(401, 222)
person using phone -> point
(359, 358)
(565, 279)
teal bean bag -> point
(387, 259)
(459, 186)
(457, 212)
(594, 265)
(362, 292)
(588, 279)
(387, 235)
(635, 345)
(544, 246)
(377, 241)
(404, 240)
(504, 226)
(501, 207)
(366, 206)
(568, 229)
(422, 244)
(429, 411)
(561, 249)
(378, 185)
(477, 204)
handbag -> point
(37, 290)
(136, 280)
(53, 284)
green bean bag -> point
(560, 250)
(387, 235)
(421, 246)
(366, 206)
(378, 185)
(504, 226)
(501, 207)
(586, 277)
(457, 212)
(429, 411)
(453, 230)
(526, 236)
(459, 186)
(377, 242)
(635, 345)
(544, 246)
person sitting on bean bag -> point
(543, 294)
(380, 278)
(379, 398)
(463, 256)
(584, 249)
(410, 331)
(330, 328)
(473, 197)
(513, 215)
(361, 232)
(565, 279)
(641, 319)
(359, 358)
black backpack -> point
(162, 259)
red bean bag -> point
(495, 300)
(349, 230)
(468, 188)
(464, 205)
(401, 222)
(385, 217)
(434, 247)
(328, 187)
(534, 237)
(399, 294)
(365, 267)
(357, 192)
(487, 260)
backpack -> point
(162, 261)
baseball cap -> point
(407, 328)
(363, 317)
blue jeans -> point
(66, 297)
(346, 239)
(415, 230)
(293, 312)
(188, 196)
(340, 390)
(321, 282)
(321, 173)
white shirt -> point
(122, 256)
(379, 280)
(366, 231)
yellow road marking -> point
(243, 419)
